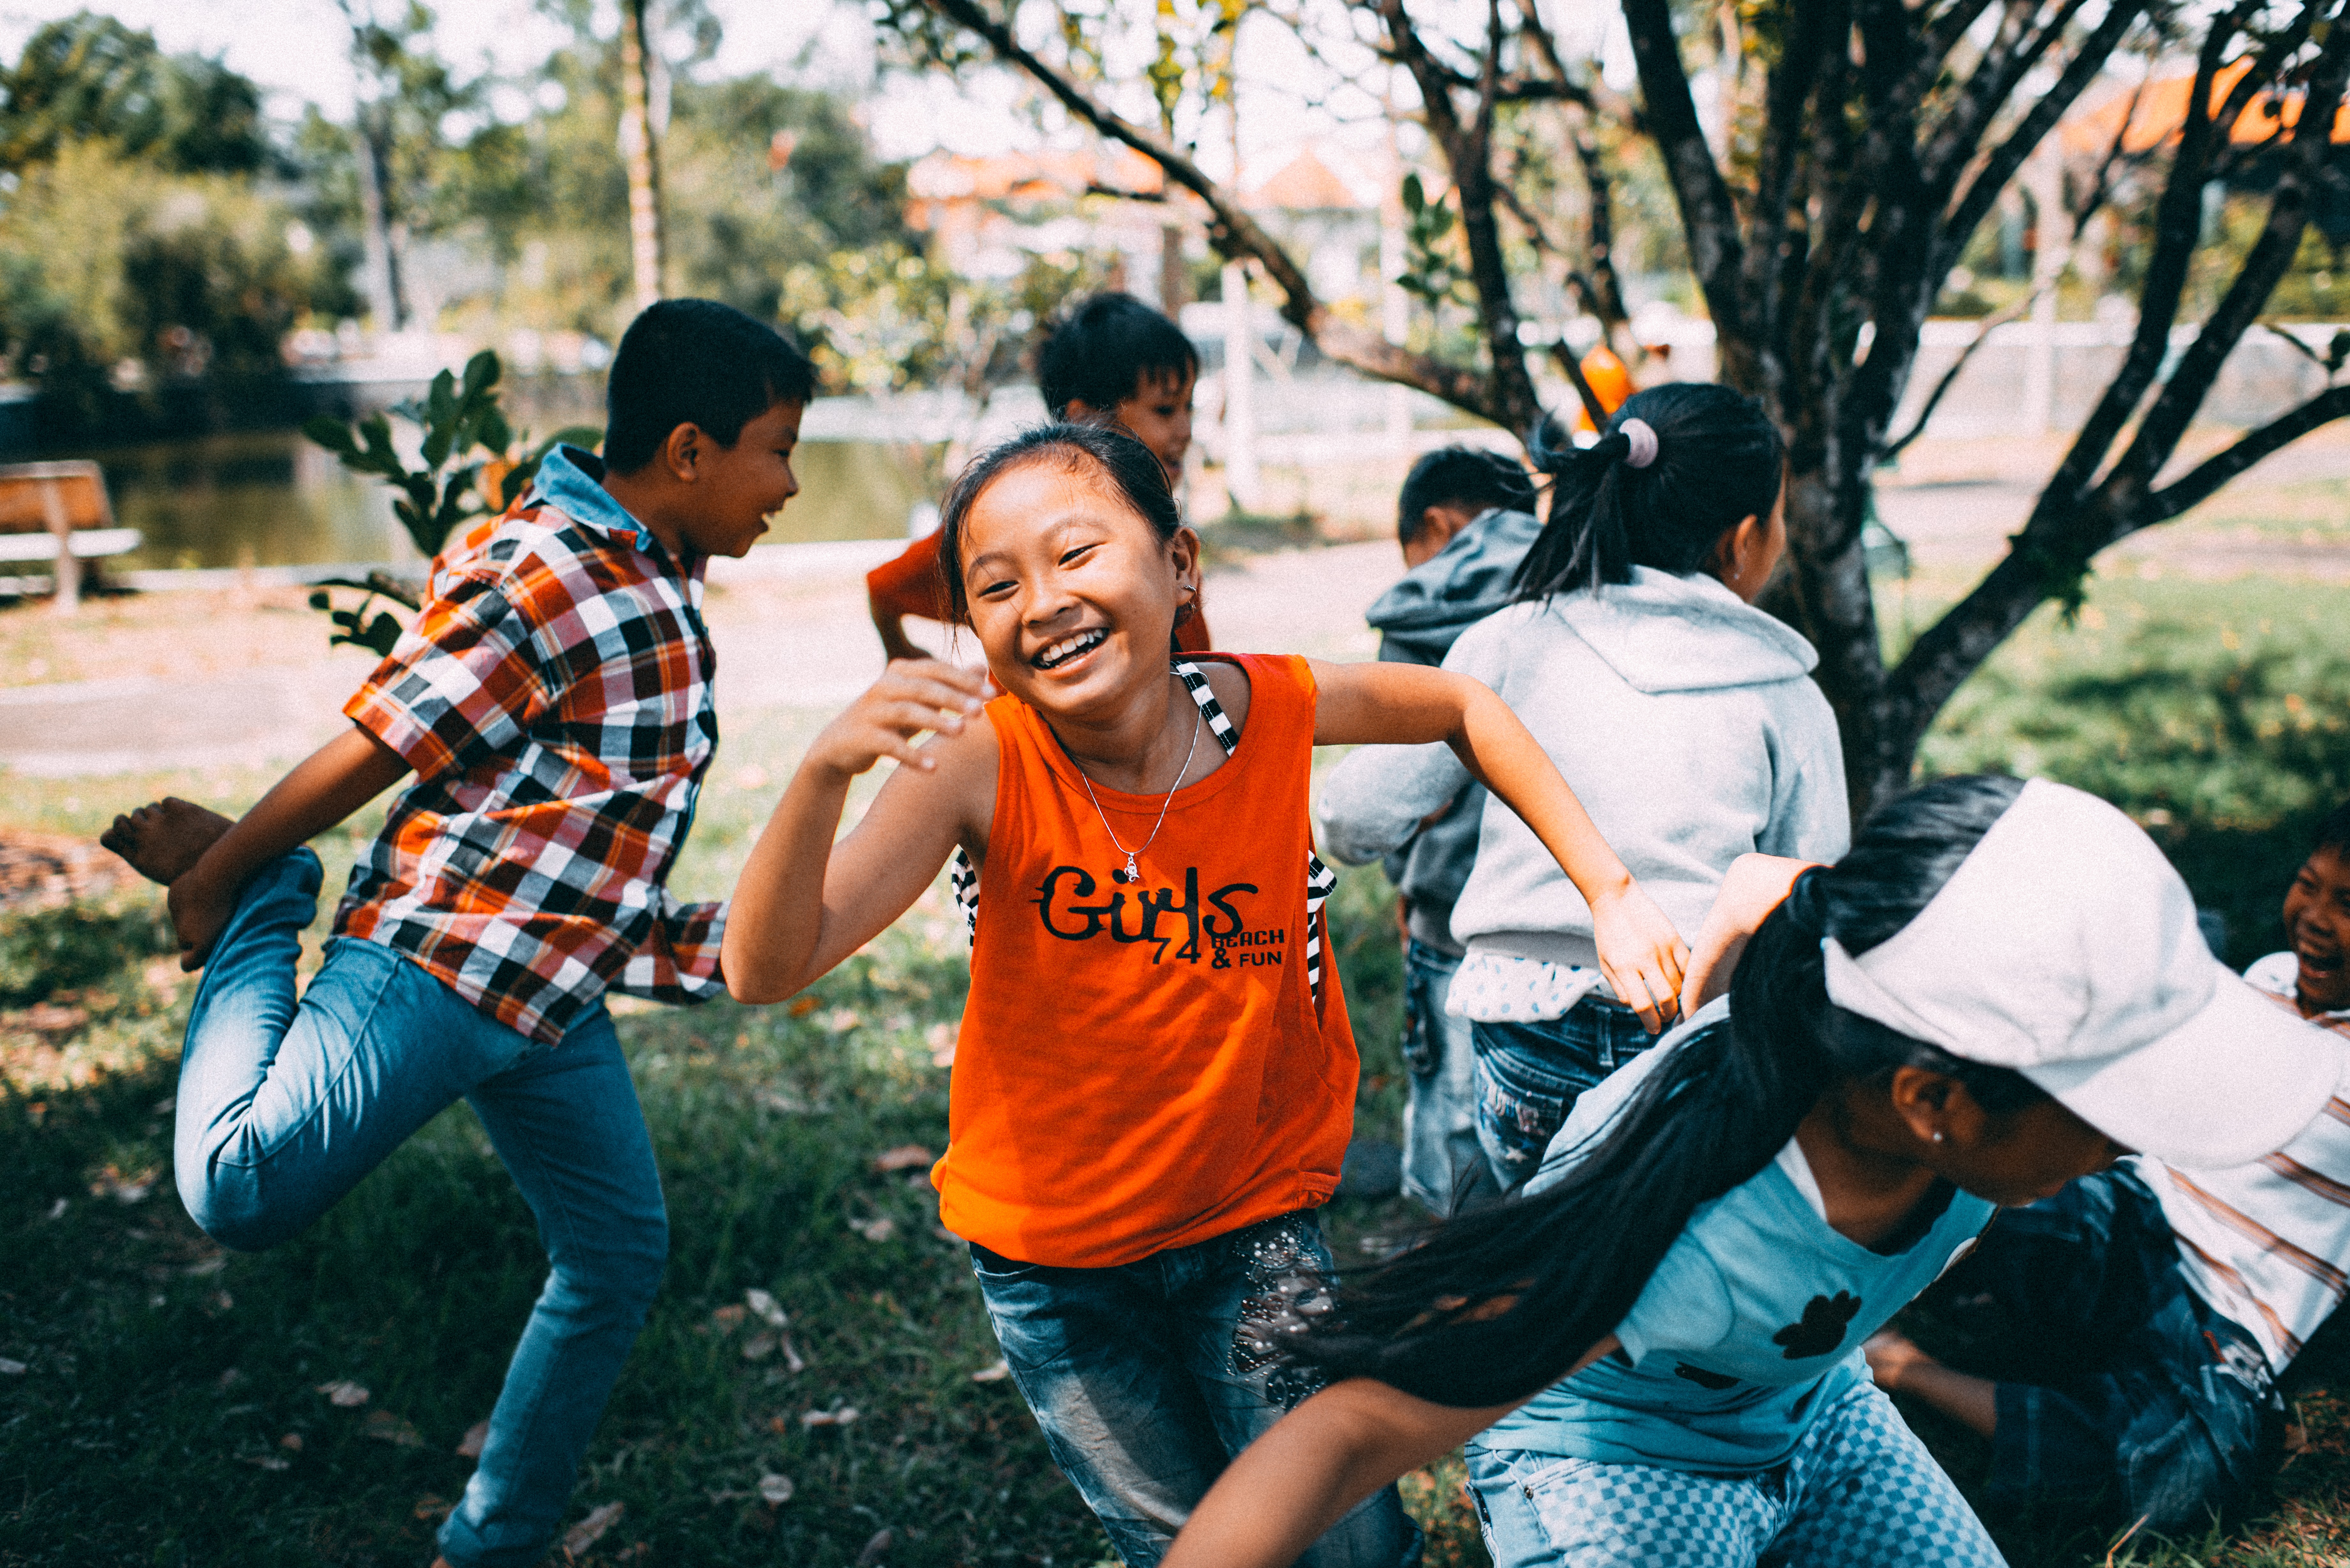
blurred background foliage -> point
(162, 237)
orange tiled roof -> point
(2155, 114)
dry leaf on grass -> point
(769, 1313)
(344, 1393)
(995, 1374)
(759, 1346)
(588, 1531)
(802, 1006)
(431, 1508)
(905, 1156)
(386, 1428)
(476, 1438)
(775, 1490)
(878, 1548)
(267, 1461)
(728, 1318)
(291, 1442)
(11, 1368)
(880, 1230)
(844, 1416)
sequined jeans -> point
(1146, 1385)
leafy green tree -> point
(91, 78)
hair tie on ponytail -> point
(1640, 442)
(1806, 905)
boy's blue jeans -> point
(1529, 1076)
(1145, 1388)
(1444, 1166)
(284, 1105)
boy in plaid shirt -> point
(553, 700)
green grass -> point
(128, 1440)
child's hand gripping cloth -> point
(554, 698)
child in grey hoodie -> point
(1684, 719)
(1464, 518)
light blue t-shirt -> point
(1751, 1325)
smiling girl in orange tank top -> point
(1155, 1080)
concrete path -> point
(792, 629)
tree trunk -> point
(387, 299)
(641, 149)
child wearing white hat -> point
(2163, 1302)
(1999, 989)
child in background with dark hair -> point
(553, 700)
(2000, 989)
(1464, 518)
(1115, 358)
(2139, 1319)
(1685, 718)
(1155, 1080)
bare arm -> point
(1754, 886)
(804, 903)
(1318, 1462)
(1641, 954)
(323, 788)
(895, 643)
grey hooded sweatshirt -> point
(1683, 719)
(1417, 620)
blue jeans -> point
(1859, 1491)
(1529, 1076)
(1444, 1165)
(2120, 1390)
(284, 1105)
(1147, 1388)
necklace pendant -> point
(1127, 876)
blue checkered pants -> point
(1859, 1491)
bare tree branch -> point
(2203, 481)
(1709, 217)
(1236, 234)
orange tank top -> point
(1143, 1067)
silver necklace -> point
(1131, 874)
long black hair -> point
(1498, 1305)
(1131, 466)
(1718, 461)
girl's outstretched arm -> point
(1318, 1462)
(804, 903)
(1641, 953)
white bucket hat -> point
(2065, 946)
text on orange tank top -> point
(1148, 1065)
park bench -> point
(57, 512)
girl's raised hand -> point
(1641, 954)
(912, 695)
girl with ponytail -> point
(1657, 1350)
(1684, 718)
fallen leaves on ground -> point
(878, 1548)
(775, 1490)
(995, 1374)
(588, 1531)
(905, 1156)
(11, 1368)
(344, 1393)
(765, 1305)
(123, 1186)
(386, 1428)
(844, 1416)
(476, 1438)
(880, 1230)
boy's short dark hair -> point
(1104, 348)
(2334, 833)
(697, 362)
(1462, 476)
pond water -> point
(269, 498)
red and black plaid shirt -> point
(554, 698)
